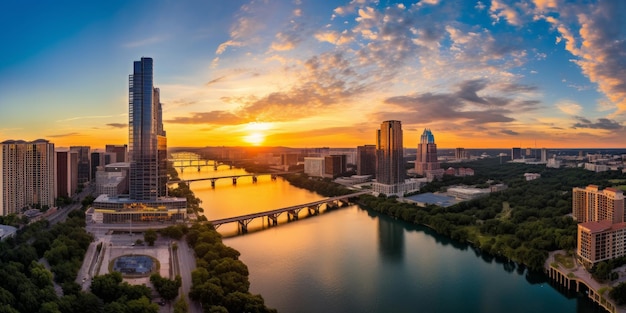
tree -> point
(181, 306)
(618, 293)
(150, 236)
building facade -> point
(66, 172)
(26, 175)
(602, 230)
(84, 163)
(590, 204)
(314, 166)
(390, 154)
(334, 165)
(366, 160)
(120, 152)
(426, 163)
(516, 153)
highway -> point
(186, 264)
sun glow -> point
(256, 133)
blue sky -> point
(498, 73)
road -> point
(61, 214)
(186, 264)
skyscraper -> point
(146, 200)
(144, 124)
(26, 175)
(426, 163)
(366, 160)
(84, 163)
(390, 154)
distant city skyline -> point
(480, 74)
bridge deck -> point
(227, 176)
(281, 210)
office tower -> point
(26, 175)
(366, 160)
(426, 163)
(460, 153)
(144, 123)
(544, 155)
(119, 150)
(390, 154)
(314, 166)
(592, 204)
(84, 163)
(66, 172)
(147, 155)
(334, 165)
(516, 153)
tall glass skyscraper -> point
(147, 143)
(390, 154)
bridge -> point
(292, 211)
(233, 177)
(184, 160)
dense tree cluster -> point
(183, 191)
(220, 280)
(120, 296)
(167, 288)
(323, 186)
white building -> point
(467, 193)
(314, 166)
(596, 167)
(531, 176)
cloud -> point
(64, 135)
(509, 132)
(600, 47)
(602, 123)
(569, 107)
(213, 117)
(117, 125)
(464, 106)
(216, 80)
(83, 118)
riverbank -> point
(574, 276)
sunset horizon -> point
(483, 75)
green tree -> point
(150, 236)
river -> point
(353, 260)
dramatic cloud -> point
(599, 48)
(602, 123)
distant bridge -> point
(292, 211)
(233, 177)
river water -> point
(353, 260)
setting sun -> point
(255, 139)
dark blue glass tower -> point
(144, 121)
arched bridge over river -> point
(292, 211)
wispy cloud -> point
(145, 42)
(117, 125)
(84, 118)
(602, 123)
(65, 135)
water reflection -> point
(390, 239)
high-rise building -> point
(334, 165)
(366, 160)
(460, 153)
(591, 204)
(144, 123)
(516, 153)
(66, 172)
(314, 166)
(26, 175)
(119, 150)
(544, 155)
(426, 163)
(84, 163)
(390, 154)
(602, 231)
(147, 179)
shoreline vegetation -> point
(220, 280)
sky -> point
(310, 73)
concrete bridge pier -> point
(234, 180)
(212, 183)
(272, 219)
(215, 166)
(273, 177)
(243, 225)
(293, 214)
(314, 210)
(254, 179)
